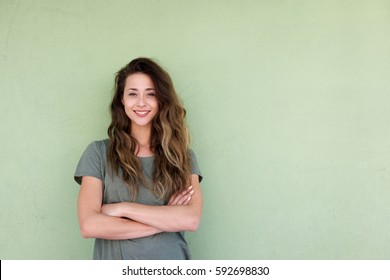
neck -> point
(143, 136)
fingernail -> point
(190, 187)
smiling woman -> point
(140, 189)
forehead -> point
(138, 81)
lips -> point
(141, 113)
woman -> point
(140, 188)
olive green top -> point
(165, 245)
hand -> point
(181, 198)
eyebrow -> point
(135, 89)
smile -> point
(141, 113)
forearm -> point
(94, 224)
(165, 218)
(106, 227)
(182, 213)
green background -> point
(288, 104)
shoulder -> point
(192, 155)
(93, 161)
(97, 149)
(99, 145)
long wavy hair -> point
(169, 135)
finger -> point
(186, 191)
(176, 198)
(183, 199)
(187, 201)
(189, 189)
(172, 198)
(179, 198)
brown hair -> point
(169, 136)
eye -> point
(132, 94)
(152, 94)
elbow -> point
(84, 234)
(193, 224)
(188, 223)
(85, 230)
(193, 227)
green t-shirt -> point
(165, 245)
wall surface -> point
(288, 106)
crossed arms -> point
(126, 220)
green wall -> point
(288, 105)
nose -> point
(141, 101)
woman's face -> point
(139, 100)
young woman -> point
(140, 188)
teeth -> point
(141, 113)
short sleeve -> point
(194, 166)
(90, 163)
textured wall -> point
(288, 104)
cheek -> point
(127, 107)
(127, 103)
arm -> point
(169, 218)
(94, 224)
